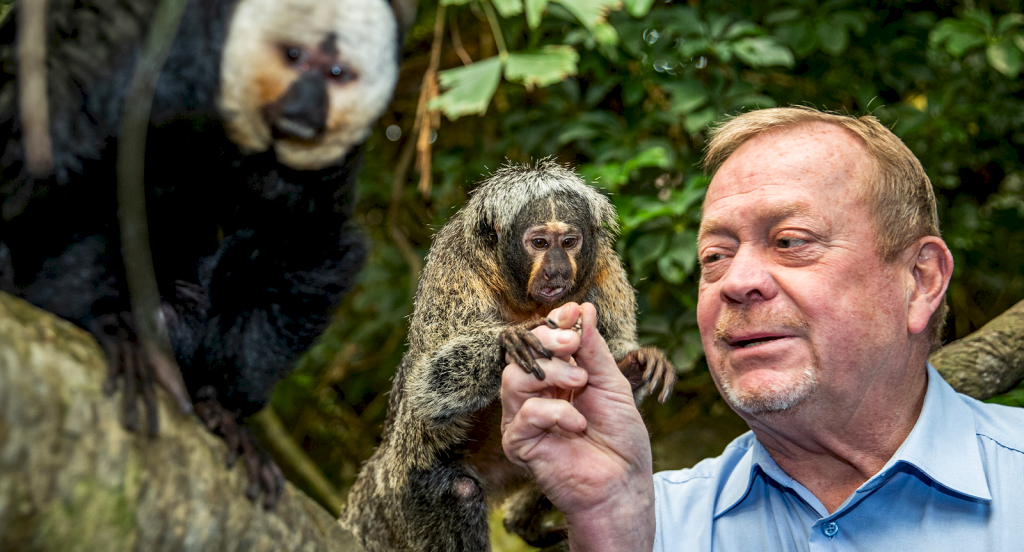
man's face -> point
(794, 304)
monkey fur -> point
(492, 273)
(251, 160)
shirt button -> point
(830, 529)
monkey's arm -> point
(613, 297)
(269, 300)
(461, 377)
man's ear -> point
(932, 268)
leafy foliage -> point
(626, 91)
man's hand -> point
(590, 456)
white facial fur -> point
(254, 72)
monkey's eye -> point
(540, 243)
(295, 54)
(570, 242)
(341, 73)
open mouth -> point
(744, 343)
(551, 293)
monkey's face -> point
(552, 248)
(307, 78)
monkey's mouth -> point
(550, 294)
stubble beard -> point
(775, 397)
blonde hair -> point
(899, 193)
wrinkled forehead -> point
(817, 159)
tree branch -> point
(989, 361)
(71, 478)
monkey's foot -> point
(264, 475)
(138, 367)
(648, 366)
(523, 348)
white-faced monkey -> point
(530, 239)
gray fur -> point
(427, 487)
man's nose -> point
(748, 277)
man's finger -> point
(595, 357)
(537, 418)
(518, 385)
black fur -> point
(251, 256)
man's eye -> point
(787, 243)
(708, 259)
(540, 243)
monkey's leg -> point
(528, 514)
(645, 368)
(263, 472)
(519, 343)
(446, 510)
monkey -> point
(530, 239)
(252, 155)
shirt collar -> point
(943, 445)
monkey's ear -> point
(487, 232)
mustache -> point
(742, 318)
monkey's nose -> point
(303, 108)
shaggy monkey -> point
(529, 240)
(251, 161)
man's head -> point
(821, 262)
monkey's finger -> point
(667, 386)
(536, 346)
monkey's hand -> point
(523, 348)
(139, 368)
(645, 368)
(264, 475)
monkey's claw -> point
(523, 348)
(138, 368)
(645, 368)
(263, 473)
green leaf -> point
(1005, 57)
(469, 89)
(782, 16)
(763, 51)
(541, 68)
(1009, 21)
(508, 8)
(686, 95)
(680, 258)
(590, 12)
(696, 122)
(534, 8)
(638, 8)
(834, 38)
(956, 36)
(453, 2)
(650, 157)
(646, 249)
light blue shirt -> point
(956, 484)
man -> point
(821, 295)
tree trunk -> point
(989, 361)
(72, 479)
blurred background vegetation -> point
(625, 91)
